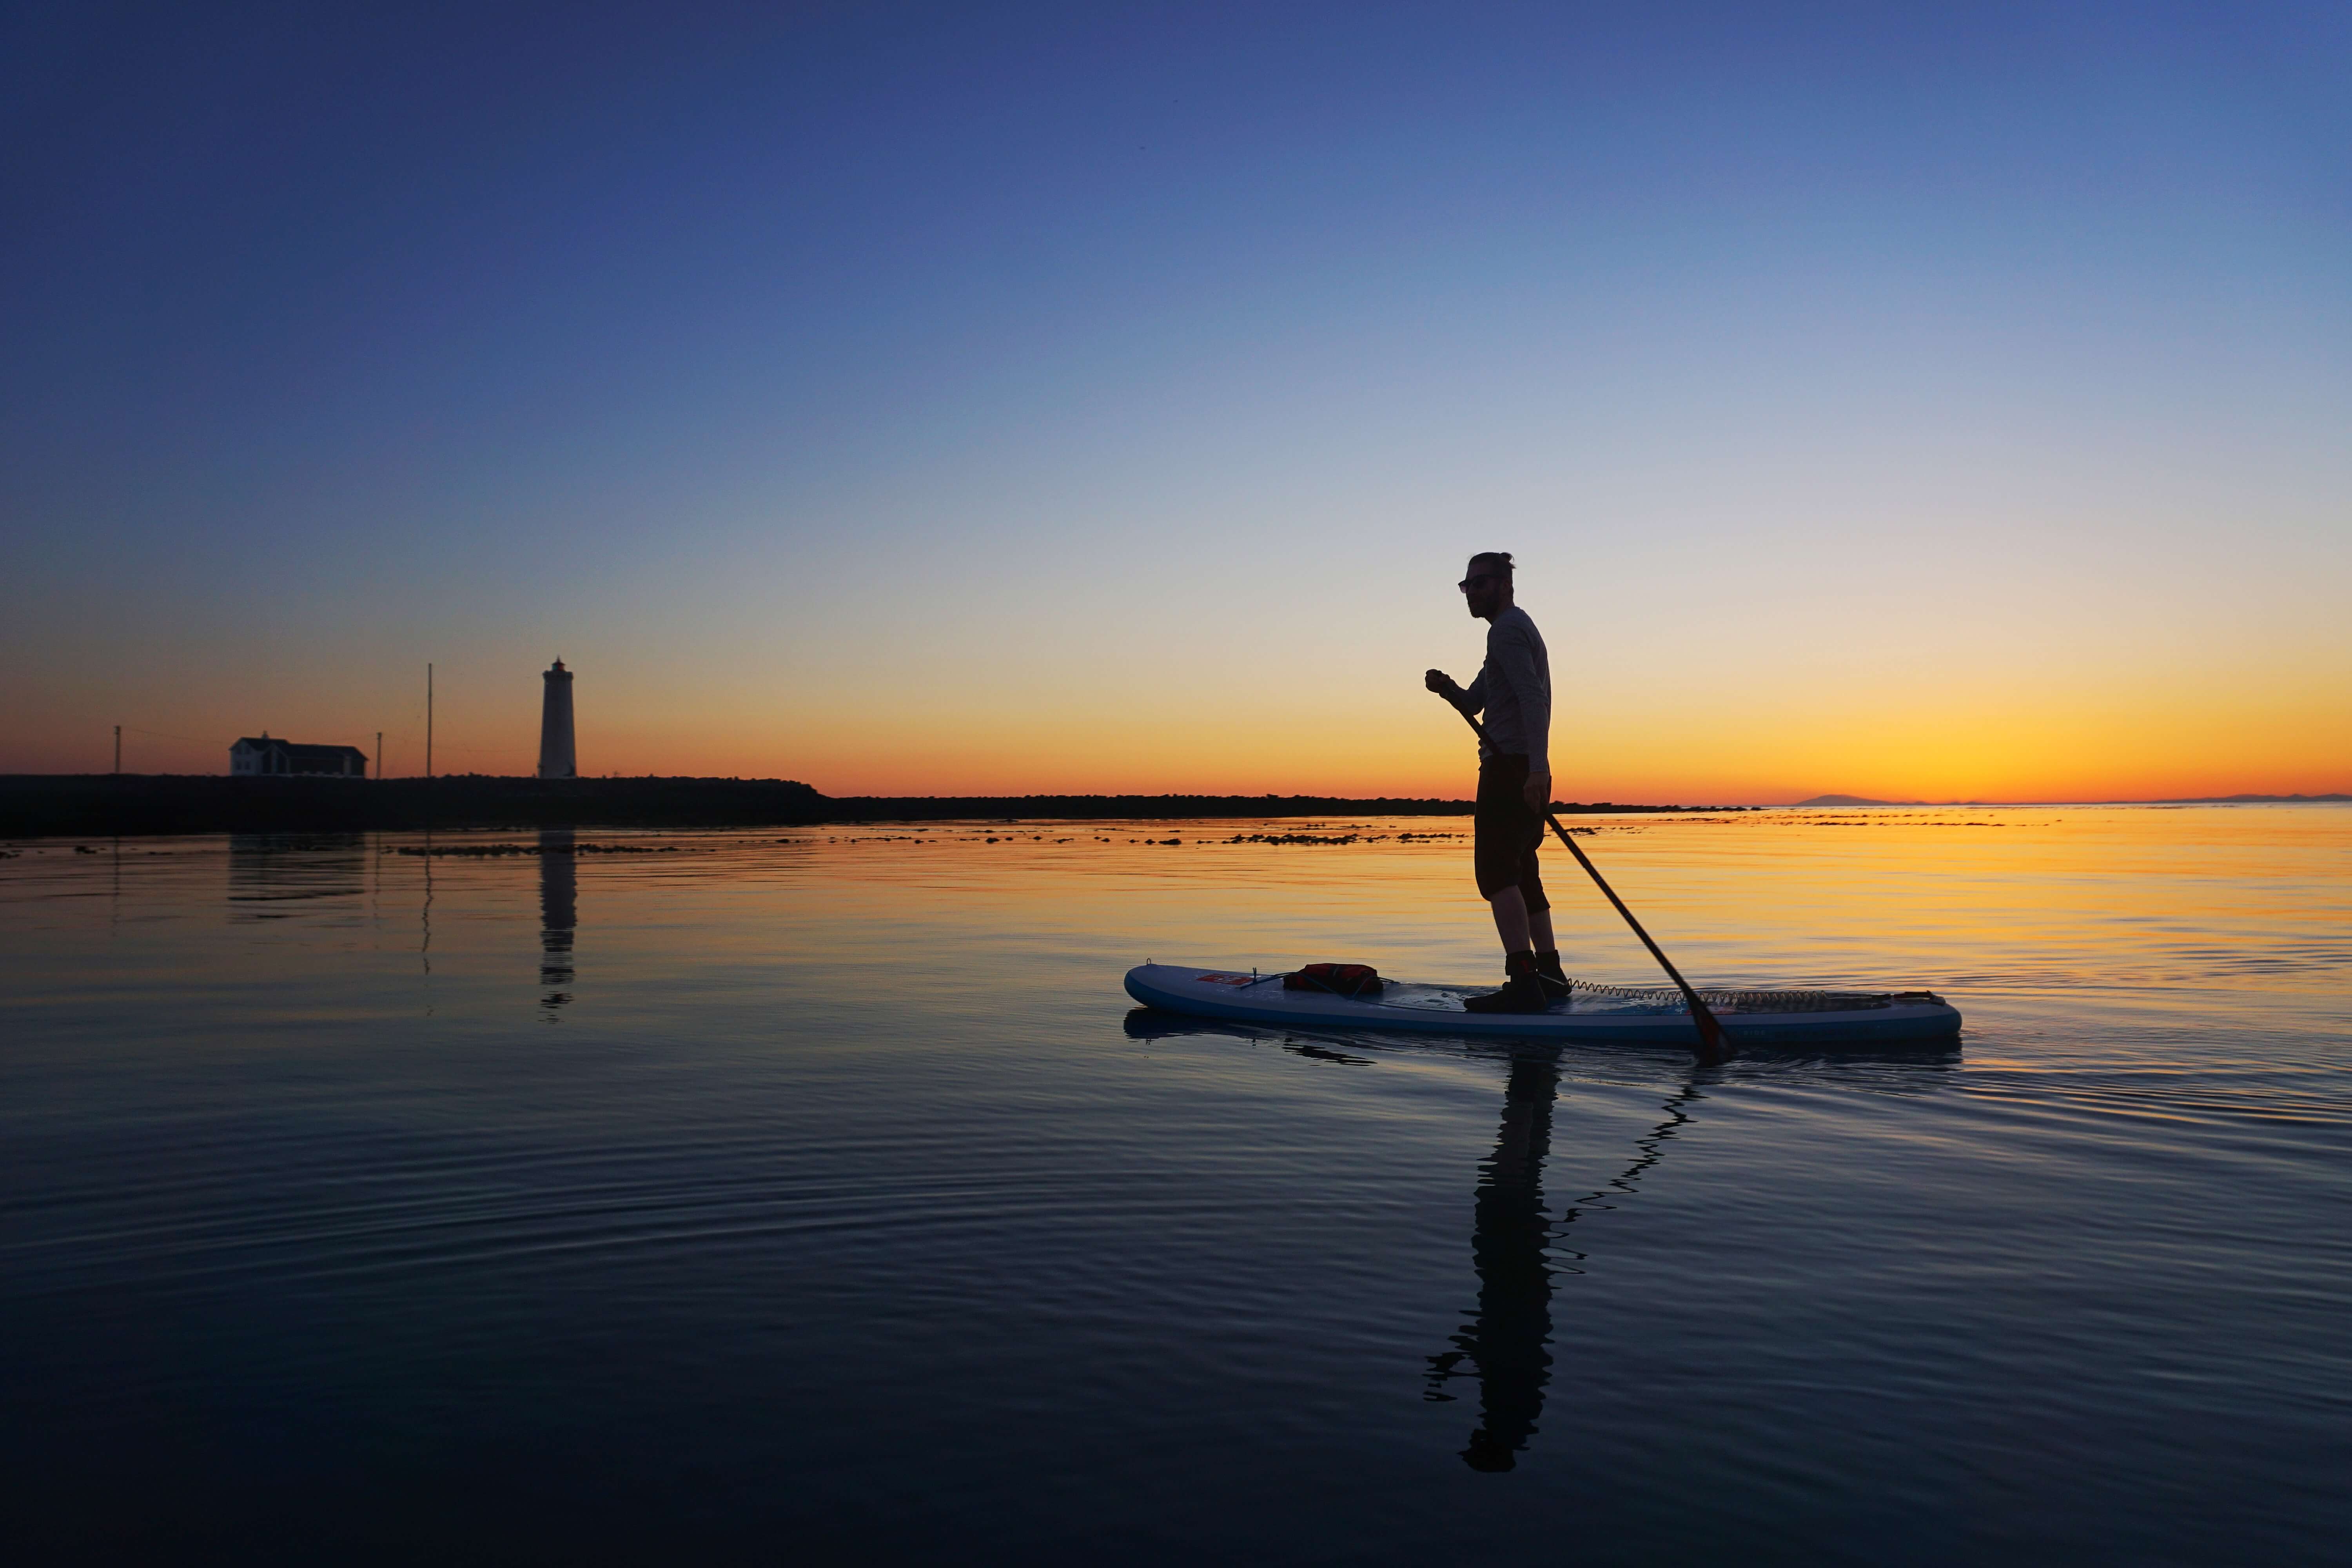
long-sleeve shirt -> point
(1514, 689)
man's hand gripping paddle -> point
(1714, 1045)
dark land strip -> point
(46, 806)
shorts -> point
(1508, 834)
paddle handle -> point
(1710, 1029)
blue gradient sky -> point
(1907, 400)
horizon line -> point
(1829, 801)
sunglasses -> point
(1473, 580)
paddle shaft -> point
(1710, 1031)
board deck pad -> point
(1590, 1012)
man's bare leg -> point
(1511, 921)
(1521, 931)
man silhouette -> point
(1514, 691)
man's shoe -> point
(1552, 976)
(1520, 994)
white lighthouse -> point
(555, 758)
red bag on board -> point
(1353, 980)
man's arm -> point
(1472, 701)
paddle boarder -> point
(1514, 691)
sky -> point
(1902, 400)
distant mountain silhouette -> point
(1855, 800)
(2248, 799)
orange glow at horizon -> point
(1420, 750)
(1407, 746)
(1224, 686)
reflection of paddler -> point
(1506, 1343)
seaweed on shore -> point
(492, 851)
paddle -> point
(1714, 1044)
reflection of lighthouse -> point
(555, 760)
(559, 906)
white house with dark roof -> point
(256, 756)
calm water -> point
(813, 1197)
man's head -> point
(1486, 586)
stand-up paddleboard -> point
(1591, 1013)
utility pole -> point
(379, 756)
(118, 748)
(428, 720)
